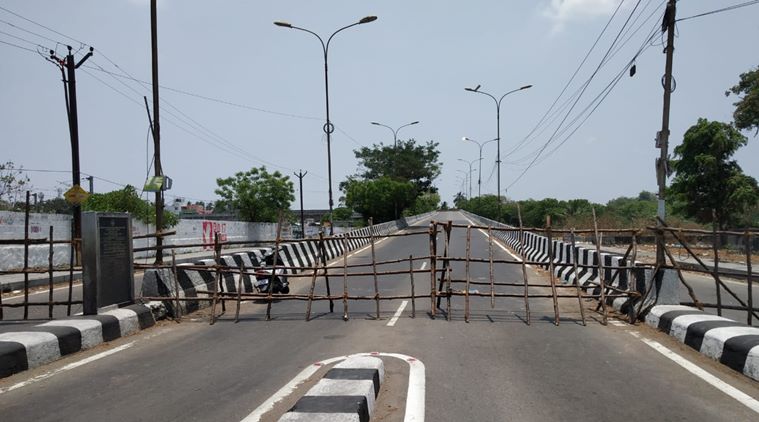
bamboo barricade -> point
(413, 289)
(526, 292)
(374, 269)
(345, 280)
(576, 277)
(600, 268)
(551, 279)
(468, 278)
(433, 267)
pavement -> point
(494, 368)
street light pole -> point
(395, 131)
(479, 177)
(328, 126)
(469, 175)
(498, 129)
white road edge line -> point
(68, 367)
(497, 242)
(397, 314)
(424, 265)
(715, 382)
(414, 395)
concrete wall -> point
(12, 227)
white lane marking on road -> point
(414, 394)
(357, 251)
(424, 265)
(68, 367)
(397, 314)
(715, 382)
(617, 323)
(41, 292)
(498, 243)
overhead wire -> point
(724, 9)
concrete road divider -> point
(25, 348)
(732, 343)
(347, 392)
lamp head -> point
(475, 89)
(413, 123)
(368, 19)
(283, 24)
(375, 123)
(465, 139)
(526, 86)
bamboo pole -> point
(551, 278)
(524, 267)
(490, 266)
(715, 248)
(413, 290)
(274, 266)
(320, 253)
(749, 280)
(374, 267)
(71, 272)
(239, 292)
(50, 275)
(600, 269)
(433, 267)
(217, 281)
(26, 256)
(468, 255)
(345, 281)
(576, 277)
(178, 309)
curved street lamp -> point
(498, 122)
(328, 126)
(395, 131)
(479, 177)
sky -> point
(239, 92)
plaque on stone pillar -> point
(107, 261)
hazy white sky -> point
(411, 64)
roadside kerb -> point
(732, 343)
(29, 347)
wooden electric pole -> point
(156, 135)
(662, 138)
(300, 177)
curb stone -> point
(30, 347)
(347, 392)
(732, 343)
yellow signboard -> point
(76, 195)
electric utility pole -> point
(662, 138)
(68, 68)
(300, 177)
(91, 179)
(156, 134)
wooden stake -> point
(600, 269)
(577, 277)
(550, 271)
(524, 267)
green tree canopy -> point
(746, 114)
(127, 200)
(407, 162)
(380, 199)
(707, 179)
(256, 195)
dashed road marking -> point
(497, 242)
(397, 314)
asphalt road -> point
(495, 368)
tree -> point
(127, 200)
(407, 162)
(13, 182)
(707, 180)
(423, 203)
(379, 199)
(746, 114)
(256, 195)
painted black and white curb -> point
(732, 343)
(347, 392)
(29, 347)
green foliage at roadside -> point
(746, 114)
(708, 185)
(256, 195)
(127, 200)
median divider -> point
(25, 348)
(347, 392)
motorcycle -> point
(264, 277)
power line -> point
(724, 9)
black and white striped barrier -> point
(303, 254)
(347, 392)
(25, 348)
(535, 248)
(731, 343)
